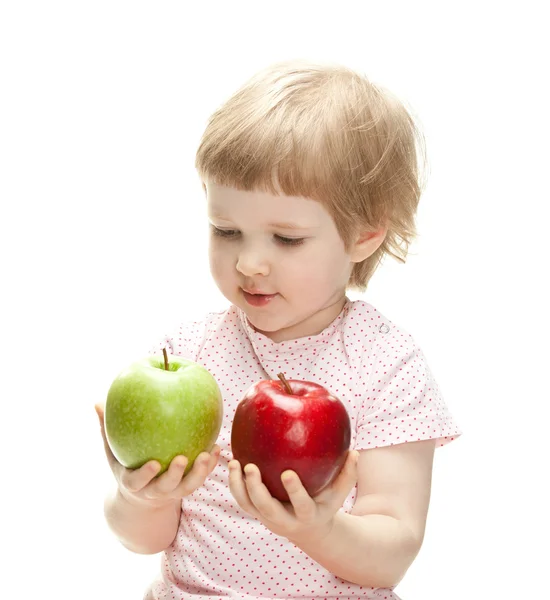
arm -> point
(144, 513)
(376, 543)
(141, 528)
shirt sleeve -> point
(402, 401)
(186, 340)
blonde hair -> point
(325, 132)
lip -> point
(258, 299)
(256, 292)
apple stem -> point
(165, 359)
(281, 376)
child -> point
(311, 177)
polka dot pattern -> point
(382, 377)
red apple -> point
(292, 424)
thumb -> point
(100, 411)
(347, 478)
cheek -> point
(219, 261)
(306, 273)
(320, 270)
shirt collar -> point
(267, 349)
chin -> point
(263, 325)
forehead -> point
(232, 204)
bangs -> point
(279, 153)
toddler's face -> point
(253, 247)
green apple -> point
(157, 410)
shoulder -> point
(390, 356)
(401, 400)
(372, 336)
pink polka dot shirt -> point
(379, 373)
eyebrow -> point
(274, 225)
(288, 226)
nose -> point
(250, 262)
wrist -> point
(314, 536)
(145, 504)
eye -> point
(224, 233)
(289, 241)
(233, 233)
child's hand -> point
(139, 486)
(304, 517)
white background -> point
(103, 248)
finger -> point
(269, 507)
(237, 487)
(196, 476)
(305, 508)
(135, 480)
(171, 478)
(214, 457)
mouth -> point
(258, 299)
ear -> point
(367, 244)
